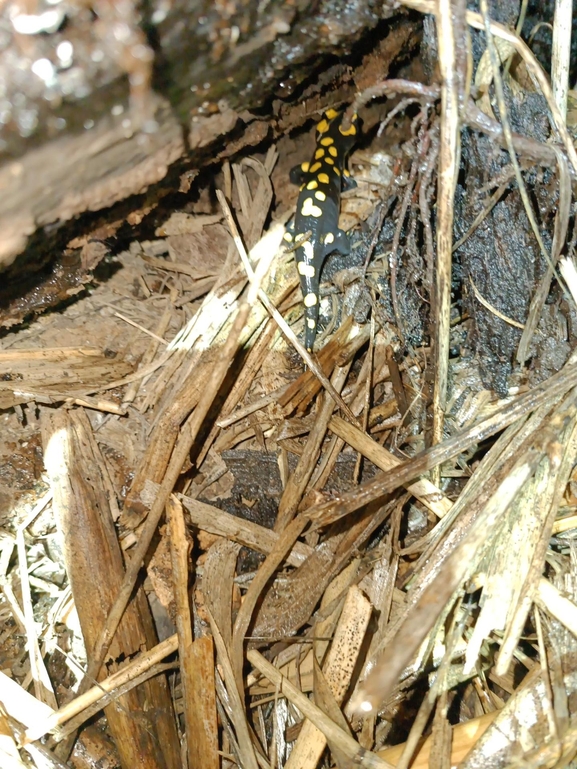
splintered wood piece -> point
(290, 600)
(338, 671)
(215, 521)
(272, 562)
(218, 584)
(299, 394)
(425, 491)
(144, 737)
(247, 753)
(196, 657)
(299, 479)
(56, 374)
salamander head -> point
(330, 131)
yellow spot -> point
(323, 126)
(336, 170)
(329, 238)
(312, 185)
(333, 151)
(319, 153)
(331, 113)
(320, 195)
(330, 161)
(288, 236)
(311, 323)
(314, 168)
(323, 178)
(310, 300)
(306, 270)
(305, 167)
(346, 173)
(301, 188)
(309, 208)
(309, 253)
(351, 131)
(327, 141)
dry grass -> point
(433, 602)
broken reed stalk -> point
(457, 566)
(247, 752)
(297, 483)
(283, 545)
(561, 54)
(258, 538)
(425, 491)
(451, 39)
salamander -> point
(321, 181)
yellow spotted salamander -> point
(321, 182)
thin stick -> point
(449, 154)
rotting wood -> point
(91, 549)
(338, 670)
(215, 521)
(349, 746)
(290, 601)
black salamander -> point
(321, 182)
